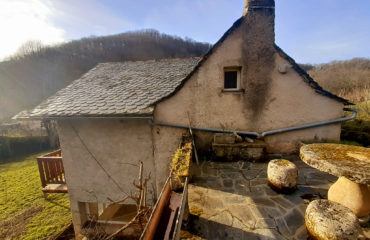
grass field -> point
(24, 212)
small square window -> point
(232, 78)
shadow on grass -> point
(51, 200)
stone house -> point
(118, 114)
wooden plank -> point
(192, 140)
(174, 206)
(62, 171)
(47, 170)
(58, 176)
(42, 172)
(183, 208)
(55, 188)
(58, 172)
(55, 153)
(51, 164)
(151, 227)
(51, 157)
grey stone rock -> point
(198, 179)
(282, 202)
(213, 184)
(262, 201)
(282, 228)
(213, 202)
(210, 172)
(301, 179)
(229, 190)
(250, 174)
(273, 212)
(258, 181)
(246, 165)
(262, 174)
(294, 198)
(227, 183)
(294, 220)
(244, 213)
(258, 166)
(265, 223)
(301, 233)
(233, 175)
(268, 234)
(195, 170)
(258, 190)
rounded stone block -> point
(282, 175)
(352, 195)
(327, 220)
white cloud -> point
(23, 20)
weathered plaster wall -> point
(271, 100)
(116, 145)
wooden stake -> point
(140, 186)
(192, 140)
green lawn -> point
(24, 212)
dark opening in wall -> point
(232, 78)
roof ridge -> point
(152, 60)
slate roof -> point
(117, 89)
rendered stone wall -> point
(98, 155)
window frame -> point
(238, 78)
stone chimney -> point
(258, 49)
(261, 15)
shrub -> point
(358, 131)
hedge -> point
(14, 146)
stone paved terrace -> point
(235, 202)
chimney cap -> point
(253, 4)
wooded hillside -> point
(348, 79)
(36, 71)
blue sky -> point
(311, 31)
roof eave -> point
(142, 116)
(146, 113)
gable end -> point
(312, 83)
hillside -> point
(37, 72)
(348, 79)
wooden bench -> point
(52, 173)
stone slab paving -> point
(233, 201)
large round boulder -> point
(327, 220)
(282, 175)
